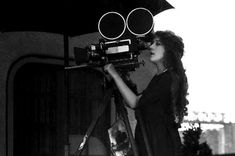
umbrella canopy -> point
(71, 17)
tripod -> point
(111, 92)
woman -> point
(162, 105)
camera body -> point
(121, 53)
(122, 40)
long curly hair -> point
(174, 51)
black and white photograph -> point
(117, 78)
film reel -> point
(140, 21)
(112, 25)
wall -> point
(17, 49)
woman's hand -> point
(111, 70)
(128, 95)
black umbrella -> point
(71, 17)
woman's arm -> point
(129, 96)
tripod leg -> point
(123, 112)
(129, 131)
(93, 124)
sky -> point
(208, 31)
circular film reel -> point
(140, 21)
(111, 25)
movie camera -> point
(122, 40)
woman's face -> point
(157, 50)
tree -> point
(192, 146)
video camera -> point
(122, 40)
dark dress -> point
(156, 111)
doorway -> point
(44, 119)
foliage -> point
(192, 146)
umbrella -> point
(71, 17)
